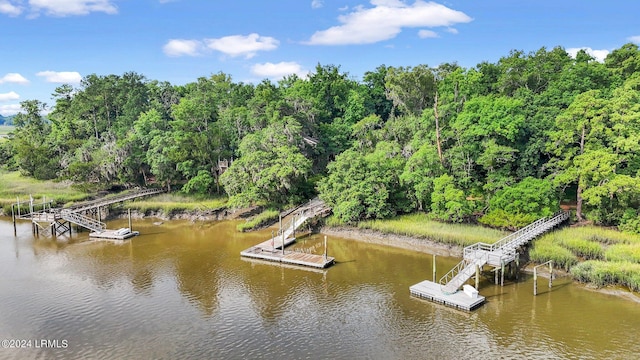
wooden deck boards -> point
(289, 257)
(432, 291)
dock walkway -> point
(58, 221)
(476, 256)
(274, 249)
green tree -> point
(34, 153)
(365, 186)
(522, 203)
(448, 203)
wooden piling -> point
(130, 220)
(434, 267)
(325, 248)
(477, 277)
(13, 217)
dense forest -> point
(501, 143)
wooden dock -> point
(273, 249)
(461, 300)
(288, 257)
(475, 257)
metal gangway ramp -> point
(480, 254)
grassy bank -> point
(420, 226)
(264, 218)
(591, 254)
(13, 185)
(175, 202)
(5, 130)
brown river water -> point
(181, 291)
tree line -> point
(502, 143)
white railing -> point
(501, 252)
(83, 221)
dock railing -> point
(499, 253)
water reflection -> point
(182, 290)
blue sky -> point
(46, 43)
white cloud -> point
(599, 55)
(10, 96)
(72, 7)
(634, 39)
(317, 4)
(385, 21)
(10, 109)
(13, 78)
(61, 77)
(451, 30)
(181, 47)
(10, 9)
(279, 70)
(423, 34)
(239, 45)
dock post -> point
(293, 224)
(495, 276)
(13, 217)
(477, 277)
(325, 248)
(434, 267)
(535, 281)
(517, 265)
(130, 220)
(550, 274)
(502, 274)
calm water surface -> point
(181, 290)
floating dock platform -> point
(275, 254)
(120, 234)
(464, 300)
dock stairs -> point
(82, 220)
(310, 210)
(273, 249)
(57, 221)
(498, 254)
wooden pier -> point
(498, 255)
(57, 221)
(274, 250)
(288, 257)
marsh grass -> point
(174, 202)
(13, 185)
(623, 252)
(568, 246)
(546, 248)
(419, 225)
(601, 273)
(586, 249)
(264, 218)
